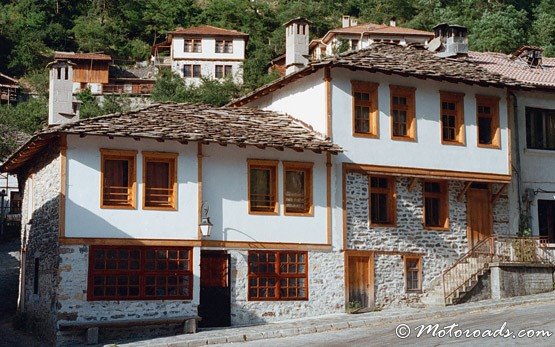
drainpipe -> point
(517, 166)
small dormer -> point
(451, 38)
(531, 55)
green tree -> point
(543, 28)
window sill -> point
(430, 228)
(403, 138)
(414, 291)
(489, 146)
(260, 213)
(382, 225)
(366, 135)
(299, 214)
(108, 207)
(540, 152)
(276, 299)
(452, 143)
(152, 208)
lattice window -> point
(436, 205)
(382, 200)
(160, 180)
(403, 121)
(263, 186)
(298, 187)
(117, 179)
(365, 110)
(452, 118)
(413, 274)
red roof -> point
(82, 56)
(514, 68)
(208, 30)
(377, 29)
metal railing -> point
(506, 249)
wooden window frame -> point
(192, 69)
(266, 164)
(532, 131)
(223, 67)
(224, 43)
(172, 159)
(391, 199)
(372, 89)
(406, 259)
(493, 103)
(308, 169)
(278, 276)
(409, 94)
(458, 100)
(142, 272)
(132, 176)
(192, 41)
(444, 204)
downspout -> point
(517, 166)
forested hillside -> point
(31, 30)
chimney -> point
(62, 108)
(296, 44)
(452, 39)
(346, 21)
(393, 22)
(354, 22)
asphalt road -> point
(525, 317)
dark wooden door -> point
(479, 215)
(215, 293)
(361, 283)
(546, 219)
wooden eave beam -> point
(412, 184)
(463, 191)
(498, 194)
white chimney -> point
(296, 44)
(346, 21)
(354, 22)
(452, 39)
(393, 22)
(62, 108)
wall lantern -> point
(205, 224)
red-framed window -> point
(278, 275)
(140, 273)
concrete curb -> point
(351, 321)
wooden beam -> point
(463, 191)
(498, 194)
(412, 184)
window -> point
(436, 205)
(59, 70)
(263, 186)
(192, 46)
(546, 219)
(487, 115)
(278, 275)
(191, 71)
(354, 44)
(540, 128)
(223, 46)
(413, 274)
(146, 273)
(403, 121)
(365, 108)
(297, 188)
(66, 76)
(160, 180)
(117, 179)
(223, 71)
(15, 203)
(382, 200)
(452, 118)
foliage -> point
(27, 116)
(91, 107)
(353, 306)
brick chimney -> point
(296, 44)
(62, 108)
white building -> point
(203, 51)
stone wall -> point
(73, 305)
(510, 280)
(40, 241)
(325, 287)
(438, 248)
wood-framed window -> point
(403, 119)
(278, 275)
(452, 118)
(117, 179)
(140, 273)
(540, 128)
(159, 181)
(224, 46)
(436, 205)
(262, 185)
(297, 188)
(191, 70)
(365, 108)
(223, 71)
(487, 119)
(382, 202)
(193, 46)
(413, 274)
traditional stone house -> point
(427, 158)
(111, 215)
(203, 51)
(532, 194)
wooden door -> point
(479, 215)
(361, 280)
(215, 294)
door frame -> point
(360, 253)
(469, 238)
(225, 255)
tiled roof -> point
(376, 29)
(207, 30)
(411, 61)
(82, 56)
(514, 68)
(189, 122)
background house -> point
(9, 89)
(203, 51)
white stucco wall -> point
(208, 50)
(85, 218)
(427, 151)
(225, 188)
(208, 69)
(304, 99)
